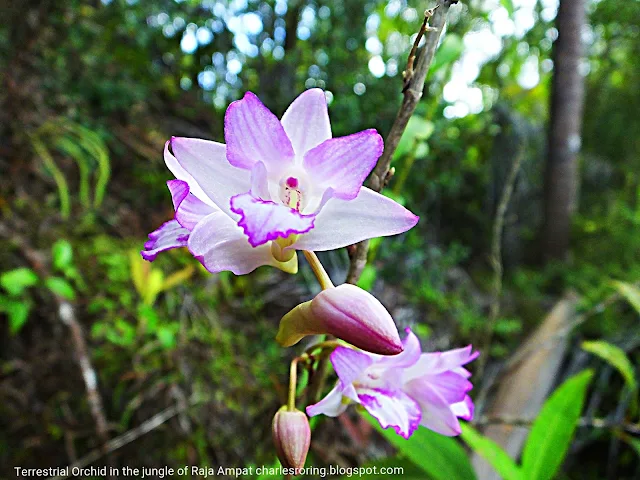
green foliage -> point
(630, 292)
(550, 436)
(616, 357)
(448, 52)
(85, 147)
(16, 281)
(62, 255)
(446, 459)
(17, 311)
(492, 453)
(60, 286)
(368, 277)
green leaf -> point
(634, 442)
(17, 311)
(616, 357)
(448, 52)
(445, 460)
(417, 129)
(551, 433)
(630, 292)
(508, 4)
(17, 281)
(368, 277)
(62, 255)
(60, 287)
(491, 452)
(167, 336)
(153, 286)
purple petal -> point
(451, 386)
(206, 162)
(181, 174)
(464, 409)
(349, 364)
(254, 134)
(369, 215)
(408, 357)
(343, 163)
(439, 362)
(392, 408)
(170, 235)
(331, 405)
(436, 411)
(189, 209)
(219, 244)
(306, 121)
(263, 221)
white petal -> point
(306, 121)
(219, 244)
(207, 164)
(345, 222)
(331, 405)
(181, 174)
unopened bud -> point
(348, 312)
(292, 437)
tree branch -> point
(413, 85)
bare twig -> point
(413, 85)
(129, 436)
(407, 75)
(496, 259)
(632, 428)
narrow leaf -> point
(440, 457)
(616, 357)
(491, 452)
(630, 292)
(551, 433)
(177, 278)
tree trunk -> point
(561, 176)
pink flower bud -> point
(349, 313)
(292, 437)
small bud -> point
(292, 437)
(348, 312)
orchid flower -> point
(405, 390)
(277, 186)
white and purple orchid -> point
(276, 187)
(405, 390)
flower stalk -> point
(318, 270)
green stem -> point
(293, 383)
(318, 270)
(329, 345)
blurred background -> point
(95, 342)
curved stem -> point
(293, 382)
(318, 269)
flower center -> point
(291, 193)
